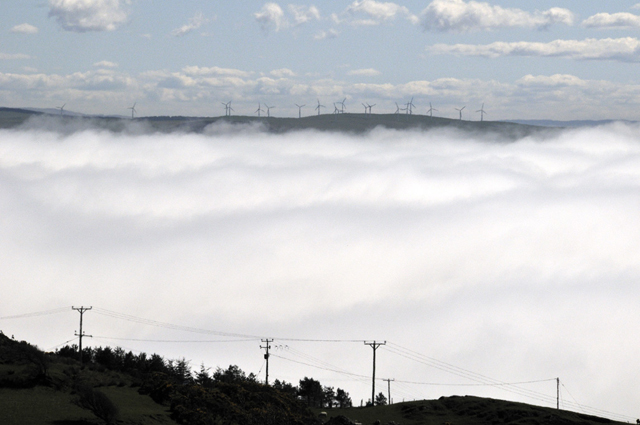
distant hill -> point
(350, 123)
(567, 124)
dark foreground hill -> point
(349, 123)
(54, 389)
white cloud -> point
(620, 49)
(282, 73)
(271, 16)
(551, 80)
(377, 12)
(89, 15)
(615, 20)
(203, 71)
(330, 33)
(105, 64)
(194, 23)
(369, 72)
(24, 29)
(11, 56)
(304, 14)
(461, 16)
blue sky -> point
(550, 59)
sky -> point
(478, 261)
(562, 59)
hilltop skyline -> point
(556, 59)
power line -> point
(39, 313)
(174, 340)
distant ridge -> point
(573, 123)
(357, 123)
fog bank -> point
(518, 261)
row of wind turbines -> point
(338, 108)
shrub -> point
(98, 403)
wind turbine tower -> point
(343, 106)
(431, 109)
(300, 110)
(259, 110)
(482, 112)
(133, 110)
(319, 106)
(370, 106)
(268, 109)
(61, 108)
(366, 108)
(460, 110)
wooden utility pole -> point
(558, 393)
(375, 346)
(81, 334)
(389, 389)
(266, 357)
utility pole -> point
(375, 346)
(81, 334)
(389, 389)
(266, 356)
(558, 393)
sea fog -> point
(515, 261)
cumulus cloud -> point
(461, 16)
(24, 29)
(197, 70)
(89, 15)
(330, 33)
(304, 14)
(271, 16)
(194, 23)
(625, 49)
(376, 12)
(615, 20)
(105, 64)
(369, 72)
(282, 73)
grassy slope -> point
(465, 411)
(49, 401)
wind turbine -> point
(61, 108)
(227, 108)
(319, 106)
(300, 110)
(460, 110)
(410, 107)
(431, 109)
(397, 108)
(343, 106)
(335, 108)
(366, 108)
(370, 106)
(268, 109)
(259, 110)
(482, 112)
(133, 110)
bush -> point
(98, 403)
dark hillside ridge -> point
(43, 389)
(348, 123)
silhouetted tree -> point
(381, 400)
(232, 374)
(311, 392)
(342, 398)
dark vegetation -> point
(112, 386)
(349, 123)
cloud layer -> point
(625, 49)
(515, 260)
